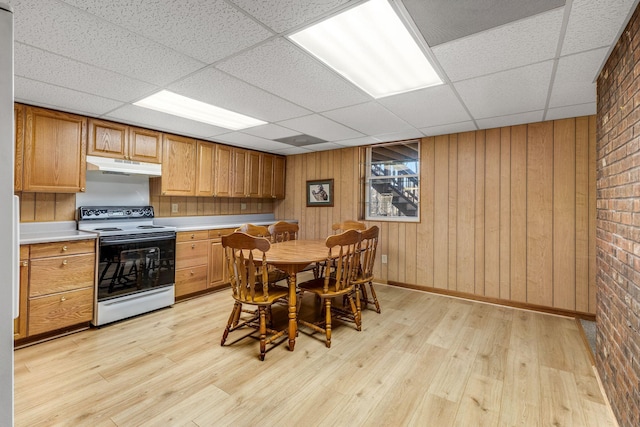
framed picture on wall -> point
(320, 192)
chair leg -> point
(375, 298)
(263, 331)
(235, 313)
(354, 303)
(364, 297)
(327, 326)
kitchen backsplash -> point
(168, 206)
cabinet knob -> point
(82, 189)
(193, 246)
(64, 262)
(25, 263)
(64, 248)
(62, 299)
(192, 273)
(193, 236)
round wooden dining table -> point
(292, 257)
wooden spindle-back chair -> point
(248, 271)
(364, 276)
(348, 225)
(283, 231)
(337, 284)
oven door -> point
(130, 264)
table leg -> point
(293, 322)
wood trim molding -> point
(497, 301)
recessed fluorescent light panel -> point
(178, 105)
(369, 45)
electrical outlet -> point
(259, 206)
(243, 206)
(384, 259)
(174, 208)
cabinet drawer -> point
(190, 254)
(58, 274)
(60, 310)
(218, 233)
(190, 280)
(42, 250)
(187, 236)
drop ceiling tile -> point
(284, 15)
(281, 68)
(270, 131)
(441, 21)
(449, 128)
(242, 139)
(356, 142)
(509, 46)
(571, 111)
(292, 151)
(325, 146)
(432, 106)
(215, 87)
(594, 23)
(370, 118)
(514, 91)
(399, 136)
(68, 31)
(200, 37)
(510, 120)
(43, 66)
(574, 82)
(61, 98)
(320, 127)
(145, 117)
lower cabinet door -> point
(60, 310)
(190, 280)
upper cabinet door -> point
(107, 139)
(253, 174)
(145, 145)
(223, 177)
(279, 170)
(204, 179)
(239, 165)
(179, 166)
(266, 181)
(18, 126)
(54, 151)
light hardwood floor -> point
(426, 360)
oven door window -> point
(128, 267)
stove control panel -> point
(115, 212)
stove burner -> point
(144, 227)
(108, 229)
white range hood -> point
(125, 167)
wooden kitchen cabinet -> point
(192, 258)
(178, 166)
(18, 126)
(54, 151)
(205, 174)
(247, 173)
(118, 141)
(145, 145)
(223, 171)
(20, 323)
(279, 170)
(218, 277)
(238, 171)
(61, 285)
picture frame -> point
(320, 192)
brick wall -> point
(618, 226)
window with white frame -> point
(393, 182)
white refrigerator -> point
(8, 222)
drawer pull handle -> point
(64, 248)
(64, 262)
(192, 273)
(25, 263)
(193, 246)
(193, 236)
(62, 299)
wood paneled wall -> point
(44, 207)
(205, 206)
(506, 214)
